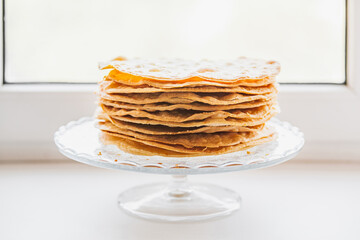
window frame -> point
(328, 114)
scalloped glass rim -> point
(79, 140)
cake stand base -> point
(179, 201)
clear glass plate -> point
(79, 140)
(177, 201)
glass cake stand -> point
(176, 201)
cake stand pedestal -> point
(178, 200)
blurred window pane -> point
(62, 41)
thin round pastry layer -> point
(181, 98)
(178, 70)
(165, 130)
(195, 150)
(180, 115)
(116, 87)
(196, 106)
(187, 140)
(206, 122)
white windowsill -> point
(74, 201)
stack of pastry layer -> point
(185, 108)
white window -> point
(48, 42)
(62, 41)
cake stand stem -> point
(179, 201)
(179, 188)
